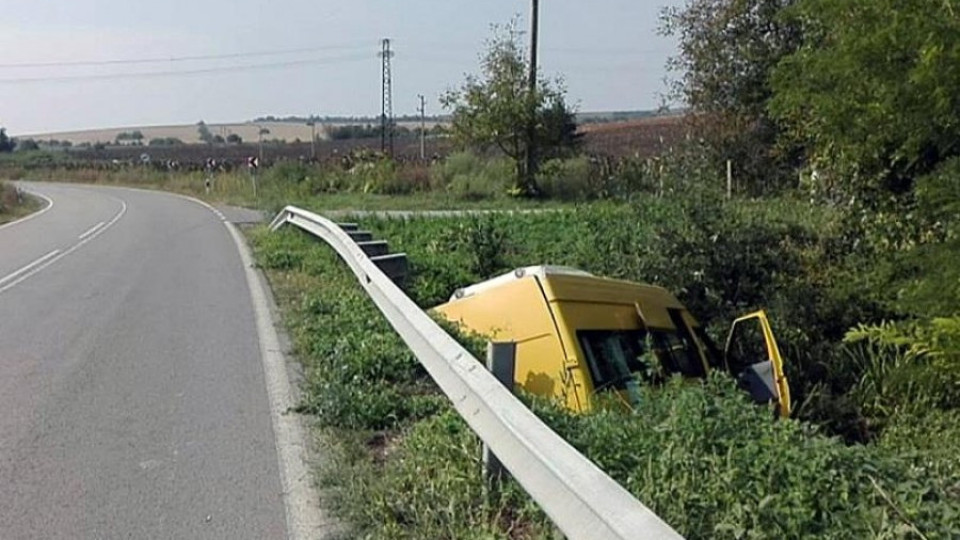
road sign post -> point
(253, 163)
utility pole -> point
(313, 138)
(386, 108)
(260, 132)
(531, 156)
(423, 128)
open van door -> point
(752, 355)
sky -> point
(299, 57)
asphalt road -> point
(132, 395)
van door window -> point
(753, 356)
(746, 347)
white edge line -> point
(78, 245)
(33, 215)
(91, 230)
(29, 266)
(304, 517)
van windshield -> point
(617, 356)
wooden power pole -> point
(423, 128)
(531, 157)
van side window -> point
(675, 355)
(615, 356)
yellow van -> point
(577, 334)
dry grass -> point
(187, 133)
(12, 206)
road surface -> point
(132, 394)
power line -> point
(175, 59)
(480, 47)
(189, 72)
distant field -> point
(186, 133)
(643, 137)
(633, 138)
(284, 131)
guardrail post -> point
(501, 361)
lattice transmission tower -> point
(386, 110)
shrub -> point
(908, 367)
(470, 177)
(435, 465)
(713, 465)
(8, 197)
(567, 179)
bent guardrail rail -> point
(581, 499)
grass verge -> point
(15, 205)
(712, 464)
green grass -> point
(399, 462)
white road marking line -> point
(33, 215)
(28, 267)
(39, 268)
(305, 519)
(91, 230)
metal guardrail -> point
(581, 499)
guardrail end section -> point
(282, 217)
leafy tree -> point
(134, 136)
(233, 138)
(728, 49)
(165, 141)
(204, 132)
(27, 145)
(494, 110)
(6, 143)
(874, 90)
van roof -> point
(541, 271)
(568, 285)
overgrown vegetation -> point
(722, 468)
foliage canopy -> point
(874, 88)
(494, 110)
(727, 50)
(6, 143)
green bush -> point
(470, 177)
(8, 197)
(426, 482)
(567, 179)
(713, 465)
(910, 367)
(929, 438)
